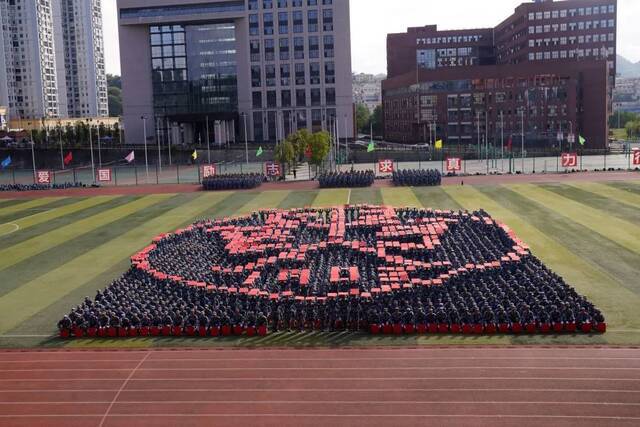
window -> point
(327, 19)
(270, 75)
(253, 4)
(312, 2)
(284, 49)
(258, 130)
(267, 4)
(283, 22)
(314, 47)
(330, 94)
(298, 26)
(329, 73)
(282, 4)
(272, 100)
(316, 98)
(285, 98)
(314, 73)
(298, 47)
(267, 22)
(285, 74)
(312, 21)
(328, 46)
(256, 76)
(257, 100)
(300, 76)
(269, 50)
(254, 25)
(327, 2)
(301, 98)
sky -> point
(372, 20)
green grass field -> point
(56, 251)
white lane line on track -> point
(349, 197)
(340, 368)
(314, 390)
(124, 384)
(15, 227)
(434, 348)
(326, 402)
(226, 380)
(359, 359)
(26, 336)
(245, 415)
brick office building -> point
(548, 68)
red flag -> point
(308, 152)
(510, 144)
(68, 158)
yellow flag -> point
(195, 154)
(438, 144)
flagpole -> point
(33, 157)
(168, 138)
(502, 140)
(208, 143)
(60, 138)
(159, 146)
(93, 164)
(522, 149)
(146, 159)
(99, 154)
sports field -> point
(54, 251)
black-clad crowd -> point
(350, 179)
(33, 187)
(233, 182)
(417, 178)
(520, 295)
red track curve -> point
(285, 387)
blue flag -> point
(6, 162)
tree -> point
(285, 153)
(319, 146)
(300, 141)
(632, 129)
(114, 85)
(362, 118)
(114, 81)
(623, 118)
(377, 120)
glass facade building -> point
(277, 66)
(194, 69)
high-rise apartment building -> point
(547, 70)
(52, 59)
(83, 53)
(196, 69)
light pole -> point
(502, 139)
(346, 141)
(159, 146)
(33, 154)
(208, 142)
(99, 151)
(169, 139)
(246, 142)
(146, 159)
(522, 148)
(60, 140)
(93, 164)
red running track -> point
(494, 386)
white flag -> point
(131, 157)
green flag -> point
(371, 147)
(581, 140)
(259, 152)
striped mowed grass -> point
(55, 251)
